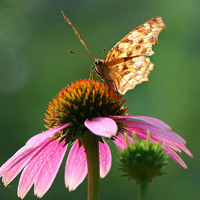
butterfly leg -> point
(98, 78)
(91, 73)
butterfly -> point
(126, 64)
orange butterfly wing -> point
(125, 64)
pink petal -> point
(105, 159)
(31, 144)
(170, 145)
(41, 137)
(102, 126)
(49, 169)
(16, 163)
(30, 172)
(15, 166)
(121, 142)
(141, 133)
(175, 157)
(151, 120)
(76, 167)
(19, 155)
(32, 169)
(177, 145)
(154, 130)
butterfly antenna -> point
(103, 53)
(79, 54)
(77, 33)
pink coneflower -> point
(86, 115)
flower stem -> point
(143, 185)
(90, 143)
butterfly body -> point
(102, 69)
(126, 64)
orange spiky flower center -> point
(84, 99)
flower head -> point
(84, 107)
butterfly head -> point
(98, 62)
(99, 67)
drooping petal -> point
(102, 126)
(30, 171)
(154, 130)
(141, 133)
(120, 141)
(16, 163)
(50, 166)
(19, 155)
(173, 155)
(13, 166)
(37, 163)
(41, 137)
(171, 147)
(151, 120)
(105, 159)
(76, 167)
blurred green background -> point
(35, 65)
